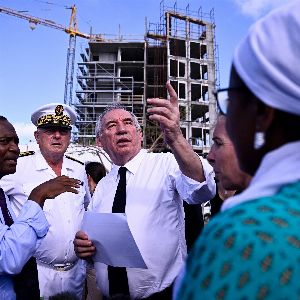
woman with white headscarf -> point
(252, 249)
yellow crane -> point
(73, 32)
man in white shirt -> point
(59, 269)
(156, 184)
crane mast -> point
(68, 95)
(73, 32)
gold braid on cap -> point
(59, 118)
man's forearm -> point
(188, 161)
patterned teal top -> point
(251, 251)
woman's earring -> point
(259, 139)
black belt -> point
(165, 294)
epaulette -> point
(72, 158)
(26, 153)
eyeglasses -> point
(222, 98)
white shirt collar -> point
(41, 163)
(131, 166)
(279, 167)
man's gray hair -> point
(114, 106)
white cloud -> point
(25, 132)
(257, 8)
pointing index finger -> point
(172, 93)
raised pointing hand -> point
(166, 112)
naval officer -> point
(59, 269)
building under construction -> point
(180, 48)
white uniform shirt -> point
(154, 192)
(64, 213)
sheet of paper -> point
(113, 240)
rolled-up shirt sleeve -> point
(19, 241)
(194, 192)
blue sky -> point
(33, 62)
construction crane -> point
(73, 32)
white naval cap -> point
(268, 58)
(54, 115)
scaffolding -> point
(180, 48)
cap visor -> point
(45, 126)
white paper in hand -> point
(113, 240)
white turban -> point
(268, 59)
